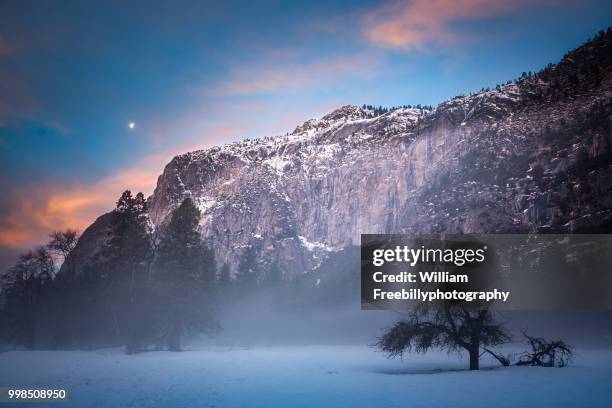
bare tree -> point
(22, 287)
(546, 353)
(452, 328)
(543, 353)
(63, 242)
(44, 266)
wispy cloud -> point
(413, 24)
(276, 77)
(35, 211)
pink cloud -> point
(34, 214)
(413, 24)
(277, 77)
(36, 211)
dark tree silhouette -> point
(59, 302)
(62, 242)
(273, 274)
(224, 279)
(20, 299)
(546, 353)
(248, 269)
(452, 328)
(119, 281)
(183, 279)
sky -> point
(192, 74)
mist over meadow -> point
(185, 186)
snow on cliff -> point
(522, 157)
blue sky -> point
(193, 74)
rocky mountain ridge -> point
(531, 155)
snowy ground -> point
(314, 376)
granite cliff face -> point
(296, 197)
(531, 155)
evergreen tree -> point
(183, 280)
(274, 274)
(225, 278)
(248, 270)
(126, 271)
(108, 301)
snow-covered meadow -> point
(304, 376)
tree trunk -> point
(474, 358)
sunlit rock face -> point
(531, 155)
